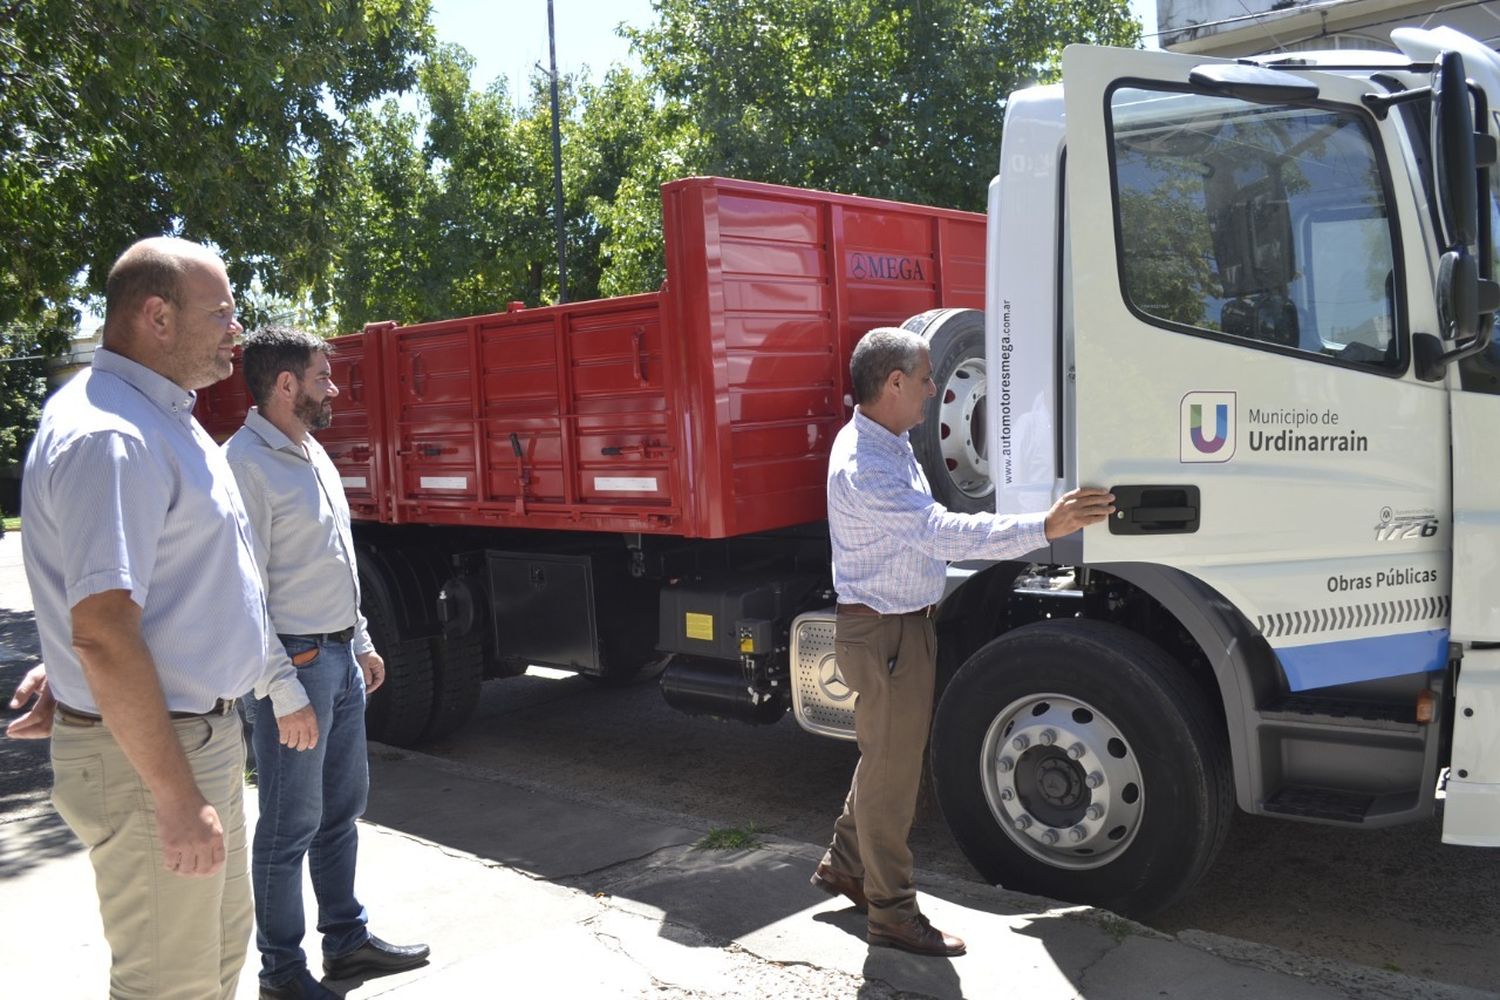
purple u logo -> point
(1203, 443)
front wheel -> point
(1077, 760)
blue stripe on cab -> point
(1348, 661)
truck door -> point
(1471, 813)
(1247, 265)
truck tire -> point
(951, 440)
(398, 711)
(1077, 760)
(458, 670)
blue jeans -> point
(309, 801)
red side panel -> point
(769, 288)
(705, 410)
(351, 439)
(545, 418)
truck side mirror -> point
(1458, 295)
(1467, 299)
(1453, 151)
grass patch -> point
(732, 838)
(11, 523)
(1116, 927)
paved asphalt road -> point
(1392, 899)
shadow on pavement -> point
(758, 898)
(31, 834)
(31, 841)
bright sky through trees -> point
(510, 39)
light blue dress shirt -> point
(891, 540)
(123, 490)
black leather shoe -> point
(303, 987)
(376, 958)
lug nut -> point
(1076, 750)
(1047, 738)
(1005, 764)
(1050, 837)
(1077, 834)
(1020, 743)
(1006, 794)
(1022, 822)
(1094, 811)
(1094, 780)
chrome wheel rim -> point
(1062, 781)
(961, 429)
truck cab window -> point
(1263, 225)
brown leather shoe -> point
(837, 883)
(915, 934)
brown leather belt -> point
(865, 609)
(78, 717)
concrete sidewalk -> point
(523, 893)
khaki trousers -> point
(890, 660)
(170, 937)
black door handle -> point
(1155, 510)
(1180, 514)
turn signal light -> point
(1426, 707)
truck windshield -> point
(1262, 224)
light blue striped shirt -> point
(123, 490)
(891, 540)
(303, 545)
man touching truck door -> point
(891, 545)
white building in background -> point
(1248, 27)
(80, 355)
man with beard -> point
(152, 621)
(312, 783)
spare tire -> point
(951, 442)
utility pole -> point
(557, 187)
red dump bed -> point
(704, 410)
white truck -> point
(1253, 299)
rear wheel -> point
(398, 711)
(951, 441)
(1077, 760)
(457, 674)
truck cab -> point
(1252, 299)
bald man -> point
(152, 620)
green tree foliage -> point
(446, 214)
(876, 97)
(23, 385)
(892, 98)
(453, 213)
(216, 119)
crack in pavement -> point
(742, 973)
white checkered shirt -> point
(891, 540)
